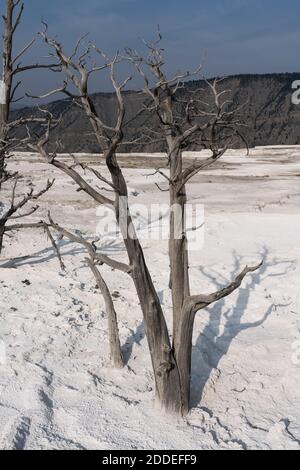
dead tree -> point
(171, 360)
(211, 124)
(9, 85)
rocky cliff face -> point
(268, 113)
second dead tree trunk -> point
(182, 124)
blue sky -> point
(227, 36)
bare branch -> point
(26, 68)
(40, 147)
(90, 247)
(19, 15)
(113, 330)
(196, 167)
(31, 196)
(36, 225)
(23, 51)
(202, 301)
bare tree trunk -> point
(2, 229)
(183, 348)
(6, 83)
(178, 254)
(11, 67)
(2, 166)
(178, 249)
(179, 276)
(166, 373)
(113, 330)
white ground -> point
(57, 390)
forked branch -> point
(199, 302)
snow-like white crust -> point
(56, 387)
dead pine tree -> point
(171, 360)
(9, 85)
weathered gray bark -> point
(178, 249)
(6, 80)
(2, 230)
(183, 348)
(113, 329)
(164, 366)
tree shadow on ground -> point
(135, 337)
(215, 340)
(49, 254)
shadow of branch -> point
(48, 254)
(134, 338)
(215, 340)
